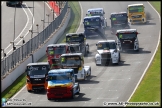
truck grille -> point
(37, 80)
(59, 90)
(106, 56)
(137, 16)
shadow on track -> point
(79, 97)
(141, 51)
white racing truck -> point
(107, 52)
(75, 61)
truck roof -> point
(73, 34)
(95, 9)
(57, 71)
(38, 63)
(106, 41)
(126, 30)
(135, 5)
(60, 44)
(118, 13)
(72, 54)
(74, 44)
(89, 17)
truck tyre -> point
(78, 89)
(48, 98)
(84, 76)
(29, 91)
(90, 72)
(72, 96)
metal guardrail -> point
(9, 62)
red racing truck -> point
(54, 51)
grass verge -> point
(72, 27)
(149, 88)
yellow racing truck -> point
(136, 13)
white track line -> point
(23, 28)
(81, 16)
(151, 57)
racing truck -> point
(61, 84)
(107, 53)
(127, 39)
(77, 43)
(119, 20)
(54, 52)
(136, 13)
(75, 61)
(36, 76)
(93, 26)
(96, 12)
(14, 3)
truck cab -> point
(54, 52)
(77, 41)
(96, 12)
(107, 53)
(61, 84)
(36, 76)
(93, 26)
(127, 39)
(136, 13)
(75, 61)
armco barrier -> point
(6, 82)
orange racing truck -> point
(54, 52)
(61, 84)
(36, 76)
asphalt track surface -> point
(23, 22)
(109, 83)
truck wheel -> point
(49, 98)
(90, 72)
(84, 76)
(29, 91)
(78, 88)
(72, 96)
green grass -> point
(149, 90)
(72, 27)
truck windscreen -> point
(127, 35)
(136, 9)
(71, 61)
(106, 46)
(74, 49)
(92, 22)
(59, 77)
(116, 17)
(75, 38)
(37, 70)
(56, 50)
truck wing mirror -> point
(110, 18)
(96, 44)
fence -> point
(10, 61)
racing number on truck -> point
(120, 36)
(62, 59)
(113, 19)
(68, 39)
(51, 52)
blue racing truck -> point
(93, 26)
